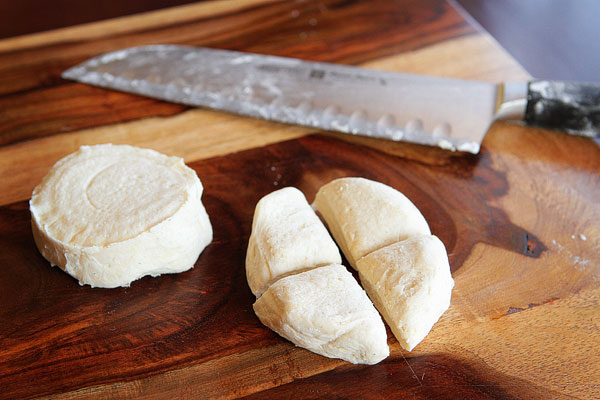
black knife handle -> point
(568, 106)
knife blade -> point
(450, 113)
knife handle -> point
(567, 106)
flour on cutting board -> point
(580, 263)
(278, 178)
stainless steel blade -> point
(452, 114)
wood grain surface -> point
(206, 314)
(521, 221)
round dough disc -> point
(111, 214)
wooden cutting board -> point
(197, 330)
(521, 221)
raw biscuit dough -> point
(287, 237)
(410, 284)
(111, 214)
(325, 311)
(365, 215)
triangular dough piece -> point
(365, 215)
(410, 284)
(325, 311)
(287, 237)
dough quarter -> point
(287, 237)
(365, 215)
(325, 311)
(410, 284)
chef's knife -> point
(450, 113)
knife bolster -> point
(512, 101)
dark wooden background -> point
(552, 39)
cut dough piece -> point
(108, 215)
(325, 311)
(365, 215)
(287, 237)
(410, 284)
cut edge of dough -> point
(335, 231)
(267, 285)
